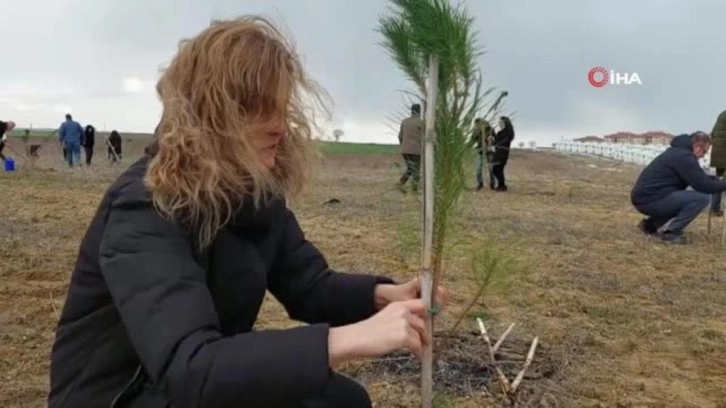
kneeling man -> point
(661, 192)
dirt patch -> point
(463, 368)
(623, 320)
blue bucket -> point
(9, 164)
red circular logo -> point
(596, 72)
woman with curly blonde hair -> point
(175, 264)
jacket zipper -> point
(120, 399)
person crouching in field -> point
(176, 262)
(661, 192)
(4, 128)
(718, 158)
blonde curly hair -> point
(226, 86)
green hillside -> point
(356, 148)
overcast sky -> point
(99, 59)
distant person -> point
(483, 141)
(661, 192)
(70, 135)
(410, 137)
(114, 139)
(718, 158)
(4, 128)
(89, 141)
(502, 145)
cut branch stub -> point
(507, 389)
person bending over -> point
(661, 191)
(114, 146)
(175, 264)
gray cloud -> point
(78, 53)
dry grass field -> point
(623, 320)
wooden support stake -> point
(427, 290)
(502, 337)
(504, 383)
(530, 357)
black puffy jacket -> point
(149, 322)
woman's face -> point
(268, 142)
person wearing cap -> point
(673, 189)
(410, 137)
(5, 127)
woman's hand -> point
(387, 293)
(400, 325)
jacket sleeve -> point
(61, 133)
(694, 175)
(310, 291)
(168, 312)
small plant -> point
(434, 44)
(493, 267)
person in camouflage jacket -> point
(718, 158)
(482, 139)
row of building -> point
(648, 138)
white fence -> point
(629, 153)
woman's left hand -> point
(387, 293)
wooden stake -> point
(530, 357)
(503, 336)
(504, 383)
(427, 290)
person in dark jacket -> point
(483, 141)
(4, 128)
(175, 264)
(718, 158)
(114, 148)
(661, 192)
(502, 145)
(89, 141)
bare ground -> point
(623, 320)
